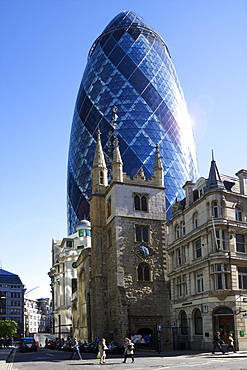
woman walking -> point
(102, 348)
(128, 350)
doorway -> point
(223, 321)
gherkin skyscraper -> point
(129, 89)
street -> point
(45, 359)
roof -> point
(7, 277)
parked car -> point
(27, 344)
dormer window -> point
(238, 213)
(69, 243)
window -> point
(178, 255)
(220, 242)
(140, 203)
(195, 221)
(184, 323)
(238, 213)
(179, 286)
(101, 178)
(198, 322)
(198, 248)
(142, 234)
(108, 207)
(215, 209)
(221, 276)
(181, 283)
(144, 272)
(84, 232)
(242, 277)
(69, 243)
(240, 243)
(177, 231)
(183, 228)
(74, 285)
(199, 281)
(109, 235)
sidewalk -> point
(4, 354)
(192, 353)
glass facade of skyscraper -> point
(129, 75)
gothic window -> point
(101, 178)
(198, 322)
(140, 202)
(109, 237)
(240, 243)
(143, 272)
(108, 207)
(177, 231)
(142, 233)
(238, 213)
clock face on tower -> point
(142, 251)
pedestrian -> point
(128, 350)
(230, 343)
(75, 349)
(217, 343)
(102, 347)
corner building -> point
(129, 67)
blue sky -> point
(44, 47)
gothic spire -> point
(214, 180)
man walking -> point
(75, 349)
(217, 343)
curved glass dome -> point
(129, 67)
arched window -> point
(101, 178)
(238, 213)
(195, 220)
(144, 203)
(140, 203)
(177, 231)
(144, 272)
(142, 234)
(198, 322)
(184, 323)
(183, 228)
(137, 203)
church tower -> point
(129, 289)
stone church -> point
(122, 285)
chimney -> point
(242, 175)
(188, 187)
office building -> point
(208, 261)
(129, 89)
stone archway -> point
(147, 337)
(223, 321)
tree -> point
(8, 328)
